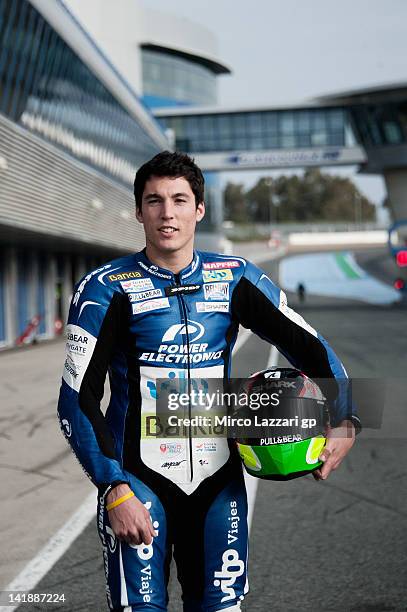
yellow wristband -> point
(119, 501)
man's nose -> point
(167, 209)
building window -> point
(167, 77)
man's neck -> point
(175, 262)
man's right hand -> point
(130, 521)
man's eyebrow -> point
(152, 195)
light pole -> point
(358, 208)
(276, 199)
(269, 182)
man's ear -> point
(200, 211)
(139, 215)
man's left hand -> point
(339, 441)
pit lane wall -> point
(58, 219)
(337, 239)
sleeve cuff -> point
(356, 423)
(105, 487)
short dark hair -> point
(170, 164)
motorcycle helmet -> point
(289, 443)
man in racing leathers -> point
(170, 311)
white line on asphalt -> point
(273, 357)
(38, 567)
(244, 335)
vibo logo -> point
(232, 568)
(193, 329)
(145, 551)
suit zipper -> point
(184, 317)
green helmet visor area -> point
(282, 461)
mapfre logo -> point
(193, 329)
(220, 265)
(232, 568)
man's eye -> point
(180, 201)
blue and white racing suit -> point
(140, 322)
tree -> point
(235, 203)
(259, 200)
(315, 196)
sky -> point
(291, 50)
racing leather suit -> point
(140, 322)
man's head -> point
(173, 165)
(169, 191)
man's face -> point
(169, 215)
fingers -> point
(339, 442)
(132, 524)
(329, 464)
(141, 532)
(145, 533)
(153, 532)
(327, 468)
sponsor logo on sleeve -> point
(138, 284)
(85, 280)
(145, 295)
(67, 428)
(212, 306)
(220, 265)
(214, 276)
(216, 291)
(85, 304)
(79, 348)
(122, 276)
(149, 305)
(77, 343)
